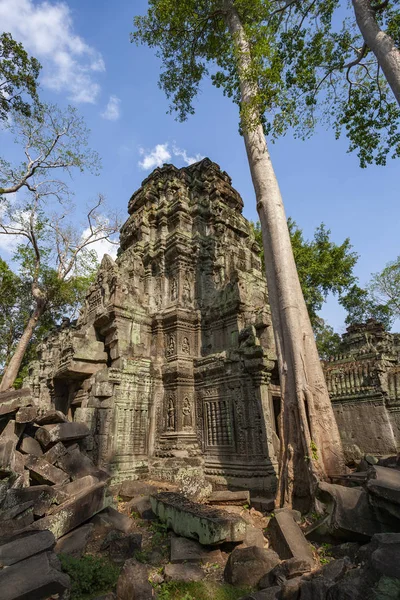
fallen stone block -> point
(124, 547)
(26, 414)
(12, 431)
(112, 518)
(11, 401)
(14, 511)
(287, 569)
(287, 538)
(51, 417)
(25, 545)
(7, 457)
(62, 432)
(36, 578)
(184, 550)
(129, 489)
(262, 504)
(43, 472)
(226, 497)
(181, 572)
(385, 483)
(16, 518)
(189, 519)
(385, 554)
(75, 511)
(246, 566)
(351, 516)
(30, 446)
(75, 542)
(41, 496)
(272, 593)
(141, 506)
(253, 537)
(134, 582)
(78, 465)
(54, 453)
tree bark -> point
(11, 371)
(310, 442)
(380, 43)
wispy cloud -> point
(112, 112)
(161, 154)
(47, 32)
(154, 158)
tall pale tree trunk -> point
(381, 44)
(11, 371)
(310, 443)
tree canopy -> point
(18, 78)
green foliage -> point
(89, 575)
(308, 65)
(384, 287)
(361, 306)
(18, 77)
(199, 590)
(323, 266)
(327, 340)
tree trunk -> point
(381, 44)
(310, 443)
(11, 371)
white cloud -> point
(161, 153)
(46, 31)
(111, 112)
(189, 160)
(154, 158)
(101, 247)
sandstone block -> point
(192, 520)
(23, 546)
(246, 566)
(227, 497)
(43, 472)
(7, 457)
(36, 578)
(54, 453)
(142, 507)
(10, 402)
(183, 572)
(287, 538)
(78, 465)
(62, 432)
(385, 483)
(51, 417)
(75, 511)
(30, 446)
(112, 518)
(184, 551)
(75, 542)
(133, 582)
(41, 496)
(129, 489)
(26, 414)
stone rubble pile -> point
(48, 487)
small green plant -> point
(199, 590)
(89, 575)
(314, 450)
(246, 506)
(141, 556)
(134, 514)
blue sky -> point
(88, 60)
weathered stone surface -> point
(272, 593)
(7, 456)
(51, 417)
(133, 582)
(227, 497)
(36, 578)
(75, 542)
(385, 555)
(43, 472)
(287, 569)
(10, 402)
(129, 489)
(124, 547)
(62, 432)
(26, 414)
(112, 518)
(351, 516)
(30, 446)
(189, 519)
(23, 546)
(54, 453)
(142, 507)
(316, 589)
(78, 465)
(385, 483)
(41, 496)
(184, 550)
(183, 572)
(349, 549)
(246, 566)
(263, 504)
(291, 589)
(287, 537)
(253, 537)
(12, 431)
(75, 511)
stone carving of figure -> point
(174, 289)
(171, 414)
(185, 346)
(187, 414)
(186, 296)
(171, 346)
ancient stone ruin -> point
(171, 362)
(364, 386)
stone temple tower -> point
(171, 360)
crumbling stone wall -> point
(170, 363)
(364, 386)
